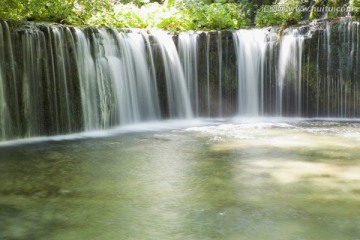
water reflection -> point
(224, 181)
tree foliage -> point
(355, 6)
(278, 14)
(173, 15)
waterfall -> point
(250, 47)
(220, 58)
(316, 72)
(188, 53)
(336, 85)
(208, 103)
(4, 110)
(124, 60)
(329, 80)
(60, 80)
(178, 97)
(290, 72)
(270, 75)
(88, 82)
(9, 101)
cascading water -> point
(290, 72)
(188, 53)
(329, 80)
(61, 80)
(134, 89)
(9, 101)
(58, 80)
(179, 104)
(250, 46)
(88, 82)
(208, 103)
(336, 75)
(4, 110)
(220, 70)
(117, 86)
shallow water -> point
(223, 180)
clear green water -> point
(225, 181)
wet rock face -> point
(332, 71)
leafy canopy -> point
(173, 15)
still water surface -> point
(269, 180)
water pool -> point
(221, 180)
